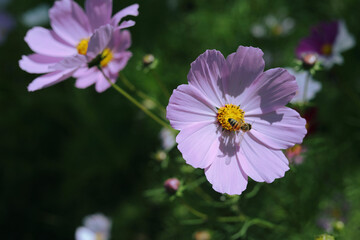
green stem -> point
(136, 103)
(241, 218)
(159, 82)
(194, 211)
(141, 94)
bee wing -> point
(240, 137)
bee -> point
(245, 127)
(236, 125)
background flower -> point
(7, 23)
(72, 29)
(328, 40)
(36, 16)
(96, 227)
(308, 87)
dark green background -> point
(66, 153)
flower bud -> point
(309, 60)
(160, 155)
(338, 225)
(148, 59)
(172, 185)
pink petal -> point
(69, 21)
(120, 41)
(101, 83)
(207, 73)
(271, 90)
(199, 144)
(187, 105)
(118, 64)
(98, 12)
(37, 63)
(86, 81)
(46, 42)
(81, 72)
(49, 79)
(126, 24)
(100, 40)
(70, 62)
(131, 10)
(261, 163)
(246, 64)
(226, 175)
(278, 130)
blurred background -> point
(66, 153)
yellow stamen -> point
(326, 49)
(229, 111)
(83, 46)
(106, 57)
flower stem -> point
(135, 102)
(159, 82)
(141, 94)
(194, 211)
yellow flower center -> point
(106, 57)
(326, 49)
(230, 111)
(83, 46)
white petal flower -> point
(96, 227)
(311, 89)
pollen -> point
(229, 111)
(83, 46)
(326, 49)
(106, 57)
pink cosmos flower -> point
(232, 119)
(327, 40)
(72, 28)
(106, 49)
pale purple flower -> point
(96, 227)
(107, 49)
(72, 28)
(167, 138)
(7, 23)
(238, 88)
(328, 40)
(308, 87)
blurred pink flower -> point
(295, 154)
(328, 40)
(236, 88)
(72, 29)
